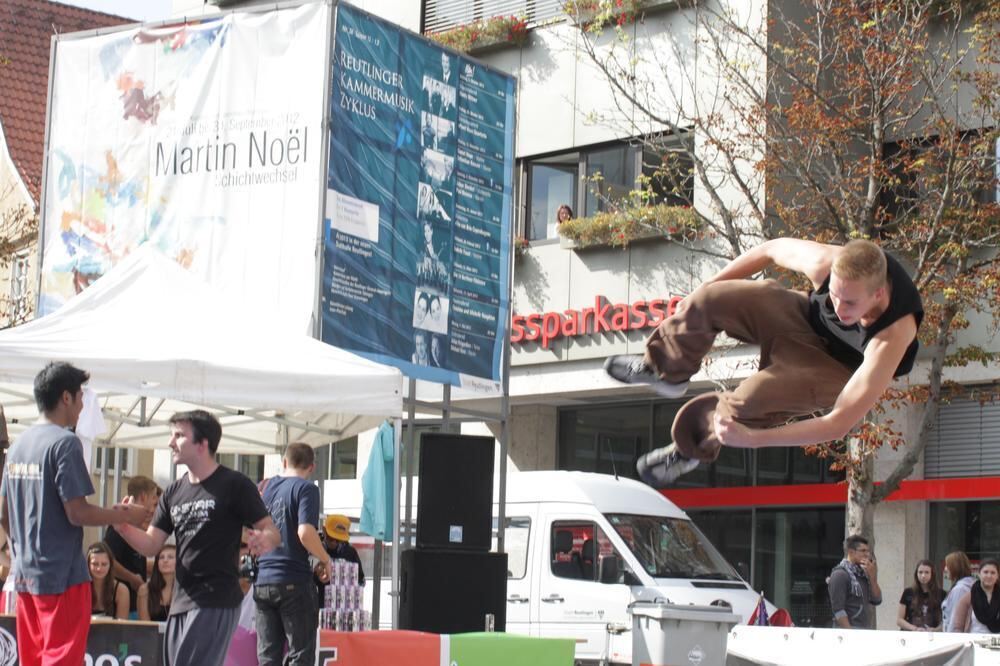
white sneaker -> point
(632, 369)
(661, 467)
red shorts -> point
(52, 628)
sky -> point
(140, 10)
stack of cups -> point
(344, 600)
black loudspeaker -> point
(455, 495)
(451, 592)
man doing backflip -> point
(836, 348)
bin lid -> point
(665, 611)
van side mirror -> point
(609, 570)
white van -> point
(581, 547)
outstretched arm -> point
(862, 391)
(147, 543)
(803, 256)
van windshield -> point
(671, 547)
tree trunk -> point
(860, 501)
(861, 485)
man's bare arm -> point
(82, 513)
(147, 543)
(862, 391)
(264, 537)
(803, 256)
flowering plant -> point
(621, 226)
(593, 15)
(521, 245)
(494, 30)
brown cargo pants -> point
(796, 376)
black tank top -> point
(847, 343)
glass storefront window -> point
(729, 531)
(605, 439)
(972, 527)
(792, 466)
(733, 467)
(795, 551)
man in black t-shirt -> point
(130, 567)
(206, 510)
(834, 350)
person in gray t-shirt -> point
(43, 507)
(854, 586)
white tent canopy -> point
(149, 328)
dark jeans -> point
(286, 611)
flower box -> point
(595, 14)
(621, 227)
(484, 35)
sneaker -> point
(632, 369)
(663, 466)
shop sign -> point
(604, 317)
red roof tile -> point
(26, 29)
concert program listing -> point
(418, 204)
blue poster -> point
(418, 204)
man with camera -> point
(284, 591)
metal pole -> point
(446, 408)
(117, 494)
(396, 545)
(410, 450)
(377, 583)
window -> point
(515, 539)
(553, 184)
(787, 554)
(966, 441)
(670, 171)
(610, 177)
(120, 455)
(554, 180)
(606, 439)
(580, 550)
(338, 460)
(972, 527)
(19, 290)
(795, 552)
(974, 165)
(250, 466)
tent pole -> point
(409, 450)
(117, 493)
(446, 408)
(396, 543)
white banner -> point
(204, 139)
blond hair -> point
(861, 260)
